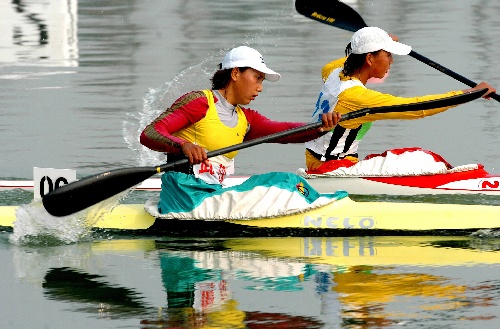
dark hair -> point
(354, 61)
(221, 77)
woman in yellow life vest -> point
(368, 55)
(208, 120)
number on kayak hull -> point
(48, 179)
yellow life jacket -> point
(211, 134)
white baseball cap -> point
(370, 39)
(244, 56)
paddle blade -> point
(331, 12)
(86, 192)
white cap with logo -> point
(244, 56)
(370, 39)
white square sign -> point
(46, 180)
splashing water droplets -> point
(158, 100)
(35, 226)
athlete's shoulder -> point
(330, 67)
(191, 100)
(191, 96)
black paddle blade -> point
(338, 14)
(86, 192)
(331, 12)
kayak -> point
(404, 171)
(151, 184)
(473, 181)
(343, 217)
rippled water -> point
(79, 80)
(368, 282)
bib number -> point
(216, 173)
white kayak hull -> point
(470, 182)
(410, 186)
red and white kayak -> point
(408, 171)
(476, 181)
(405, 171)
(16, 184)
(151, 184)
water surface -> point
(80, 79)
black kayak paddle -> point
(78, 195)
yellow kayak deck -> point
(344, 214)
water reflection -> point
(388, 292)
(351, 282)
(367, 296)
(72, 285)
